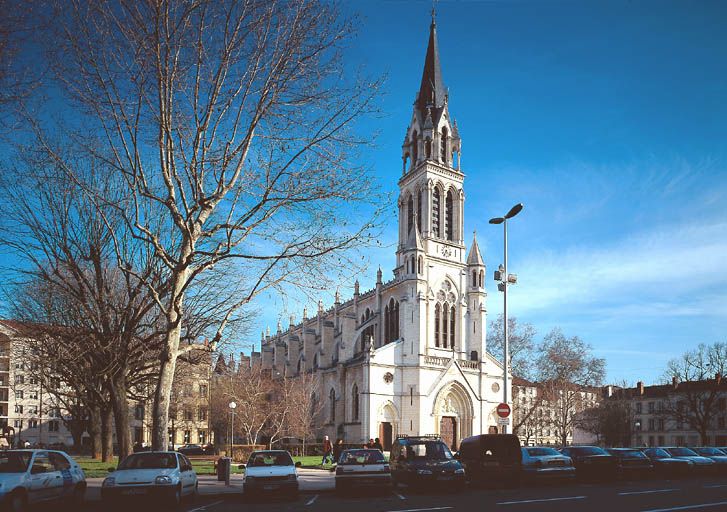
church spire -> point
(432, 91)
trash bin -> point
(224, 465)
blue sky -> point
(608, 121)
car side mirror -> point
(241, 466)
(298, 464)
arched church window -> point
(406, 163)
(428, 148)
(419, 210)
(421, 265)
(354, 402)
(387, 324)
(482, 278)
(409, 213)
(443, 151)
(332, 406)
(449, 216)
(445, 318)
(474, 278)
(474, 356)
(396, 321)
(414, 148)
(451, 326)
(455, 159)
(435, 212)
(437, 319)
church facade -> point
(408, 357)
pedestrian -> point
(377, 444)
(337, 449)
(327, 450)
(370, 444)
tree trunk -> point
(120, 405)
(94, 430)
(107, 437)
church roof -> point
(475, 257)
(432, 90)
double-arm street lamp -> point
(504, 279)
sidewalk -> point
(310, 481)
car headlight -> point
(109, 482)
(459, 471)
(249, 478)
(293, 477)
(423, 472)
(163, 480)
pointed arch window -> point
(409, 213)
(354, 402)
(421, 265)
(332, 406)
(482, 278)
(449, 216)
(435, 212)
(443, 149)
(452, 326)
(437, 319)
(428, 148)
(474, 278)
(414, 148)
(419, 210)
(387, 324)
(445, 322)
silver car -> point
(35, 476)
(362, 468)
(543, 462)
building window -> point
(435, 212)
(445, 323)
(32, 423)
(437, 313)
(187, 436)
(443, 150)
(18, 424)
(354, 402)
(203, 389)
(20, 379)
(651, 407)
(18, 409)
(138, 435)
(33, 409)
(54, 426)
(33, 395)
(652, 424)
(414, 148)
(409, 213)
(19, 394)
(637, 424)
(419, 211)
(188, 416)
(638, 407)
(202, 436)
(332, 406)
(661, 424)
(202, 414)
(33, 380)
(451, 326)
(139, 412)
(449, 216)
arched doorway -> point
(453, 413)
(388, 425)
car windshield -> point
(631, 454)
(587, 450)
(682, 452)
(658, 454)
(541, 452)
(14, 462)
(261, 459)
(429, 450)
(351, 457)
(149, 461)
(709, 451)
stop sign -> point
(503, 410)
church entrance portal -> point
(386, 434)
(448, 431)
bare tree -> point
(307, 406)
(697, 387)
(527, 408)
(231, 124)
(567, 372)
(523, 349)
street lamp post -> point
(232, 406)
(504, 279)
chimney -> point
(718, 378)
(674, 382)
(640, 386)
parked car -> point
(541, 462)
(666, 465)
(28, 477)
(591, 462)
(718, 456)
(271, 471)
(424, 460)
(362, 468)
(167, 476)
(701, 464)
(632, 463)
(492, 458)
(191, 449)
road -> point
(708, 494)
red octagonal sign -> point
(503, 410)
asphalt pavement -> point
(705, 494)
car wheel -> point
(78, 494)
(18, 502)
(176, 500)
(194, 494)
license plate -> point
(133, 492)
(269, 487)
(444, 477)
(490, 463)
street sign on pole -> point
(503, 410)
(503, 422)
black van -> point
(424, 460)
(492, 458)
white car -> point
(165, 475)
(359, 468)
(271, 471)
(34, 476)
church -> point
(408, 357)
